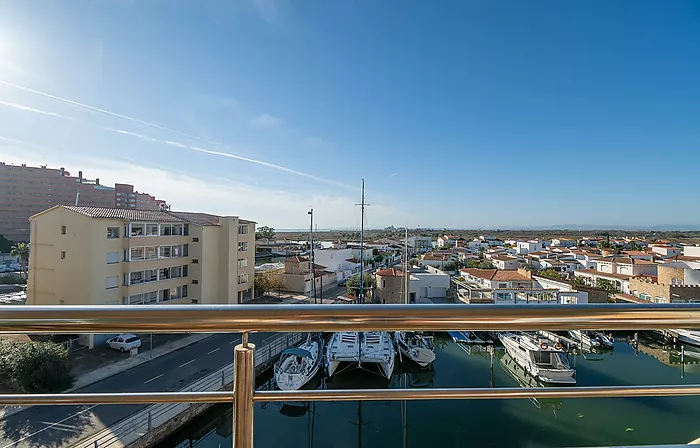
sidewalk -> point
(117, 367)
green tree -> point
(21, 250)
(578, 281)
(550, 273)
(265, 232)
(353, 284)
(375, 252)
(35, 367)
(486, 265)
(5, 245)
(449, 266)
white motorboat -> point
(689, 336)
(540, 358)
(415, 346)
(371, 350)
(297, 365)
(592, 339)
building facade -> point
(26, 191)
(110, 256)
(126, 197)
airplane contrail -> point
(113, 114)
(163, 128)
(31, 109)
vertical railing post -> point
(244, 385)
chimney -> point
(97, 181)
(80, 176)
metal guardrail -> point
(291, 318)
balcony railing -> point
(308, 318)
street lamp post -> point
(311, 266)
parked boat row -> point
(374, 351)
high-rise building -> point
(110, 256)
(26, 191)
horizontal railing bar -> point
(305, 318)
(476, 394)
(354, 395)
(117, 398)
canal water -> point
(481, 423)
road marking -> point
(48, 427)
(215, 350)
(188, 362)
(153, 379)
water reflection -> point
(506, 423)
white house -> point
(563, 242)
(476, 244)
(435, 259)
(691, 251)
(447, 241)
(666, 251)
(626, 266)
(426, 284)
(525, 247)
(560, 265)
(504, 262)
(566, 294)
(420, 244)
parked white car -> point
(124, 342)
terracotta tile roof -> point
(127, 215)
(486, 274)
(625, 261)
(682, 258)
(391, 272)
(198, 219)
(504, 258)
(509, 275)
(604, 274)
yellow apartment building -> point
(111, 256)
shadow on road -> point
(19, 431)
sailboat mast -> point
(405, 268)
(362, 244)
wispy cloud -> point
(269, 119)
(268, 206)
(394, 174)
(231, 156)
(31, 109)
(266, 121)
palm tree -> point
(21, 250)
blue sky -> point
(457, 113)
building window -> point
(63, 230)
(136, 253)
(151, 229)
(243, 278)
(177, 229)
(150, 252)
(242, 262)
(185, 250)
(150, 275)
(112, 232)
(63, 255)
(163, 273)
(243, 246)
(383, 283)
(164, 251)
(659, 300)
(503, 285)
(185, 271)
(195, 240)
(176, 272)
(112, 257)
(136, 278)
(195, 282)
(112, 282)
(173, 293)
(137, 229)
(243, 230)
(195, 260)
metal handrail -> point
(295, 318)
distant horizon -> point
(660, 228)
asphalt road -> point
(60, 426)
